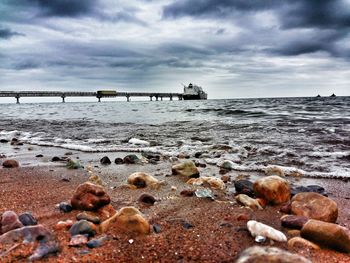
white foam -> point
(136, 141)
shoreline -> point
(218, 230)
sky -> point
(232, 48)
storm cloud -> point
(233, 48)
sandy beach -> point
(188, 229)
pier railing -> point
(157, 95)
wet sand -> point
(218, 230)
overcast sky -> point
(232, 48)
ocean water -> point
(307, 135)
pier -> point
(98, 94)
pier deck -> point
(63, 95)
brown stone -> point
(225, 178)
(127, 220)
(294, 222)
(89, 196)
(9, 221)
(187, 168)
(299, 242)
(286, 208)
(141, 180)
(314, 206)
(10, 163)
(327, 234)
(273, 189)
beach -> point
(191, 229)
(198, 194)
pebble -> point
(327, 234)
(273, 189)
(187, 192)
(294, 222)
(9, 221)
(63, 224)
(65, 207)
(10, 163)
(226, 164)
(78, 240)
(27, 219)
(156, 228)
(97, 242)
(39, 155)
(71, 164)
(186, 225)
(88, 217)
(314, 206)
(89, 196)
(131, 159)
(56, 159)
(118, 161)
(259, 229)
(302, 243)
(141, 180)
(82, 227)
(244, 187)
(269, 254)
(248, 202)
(147, 199)
(186, 168)
(105, 160)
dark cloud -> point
(68, 8)
(6, 33)
(315, 13)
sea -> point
(310, 136)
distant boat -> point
(318, 96)
(194, 92)
(333, 95)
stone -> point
(10, 163)
(83, 227)
(147, 199)
(4, 141)
(294, 222)
(248, 202)
(286, 208)
(151, 156)
(56, 159)
(106, 212)
(97, 242)
(27, 219)
(259, 229)
(186, 225)
(118, 161)
(39, 155)
(127, 220)
(65, 207)
(63, 225)
(71, 164)
(187, 192)
(131, 159)
(314, 206)
(156, 228)
(186, 168)
(244, 187)
(310, 188)
(105, 160)
(78, 240)
(205, 181)
(47, 244)
(226, 164)
(299, 242)
(141, 180)
(9, 221)
(95, 179)
(88, 217)
(273, 189)
(327, 234)
(225, 178)
(89, 196)
(257, 254)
